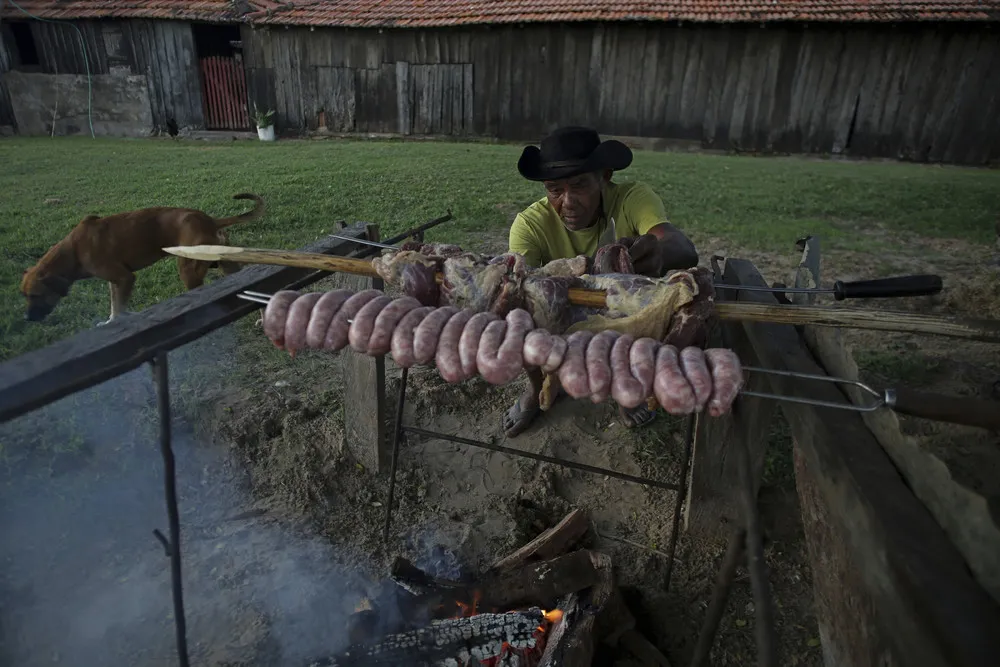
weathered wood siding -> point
(164, 51)
(6, 60)
(920, 92)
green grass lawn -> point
(753, 203)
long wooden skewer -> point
(880, 320)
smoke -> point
(83, 581)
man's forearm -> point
(678, 252)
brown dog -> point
(114, 247)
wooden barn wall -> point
(164, 51)
(920, 92)
(6, 60)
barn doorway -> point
(223, 81)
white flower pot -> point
(266, 133)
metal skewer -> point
(364, 242)
(900, 286)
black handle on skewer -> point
(920, 285)
(951, 409)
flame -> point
(553, 616)
(466, 610)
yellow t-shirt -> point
(539, 234)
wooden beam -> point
(845, 611)
(712, 505)
(364, 390)
(90, 357)
(930, 609)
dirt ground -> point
(283, 528)
(460, 508)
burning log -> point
(542, 582)
(450, 642)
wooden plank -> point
(890, 132)
(877, 70)
(970, 106)
(674, 90)
(734, 60)
(712, 506)
(825, 94)
(457, 99)
(404, 95)
(650, 91)
(553, 542)
(468, 100)
(843, 106)
(930, 609)
(718, 47)
(940, 122)
(689, 113)
(90, 357)
(364, 399)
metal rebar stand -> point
(173, 546)
(401, 429)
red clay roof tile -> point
(427, 13)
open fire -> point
(539, 607)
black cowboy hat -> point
(570, 151)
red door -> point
(224, 90)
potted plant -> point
(264, 120)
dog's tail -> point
(258, 211)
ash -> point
(84, 582)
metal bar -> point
(375, 244)
(720, 596)
(774, 290)
(882, 399)
(764, 628)
(419, 229)
(681, 493)
(542, 457)
(170, 491)
(396, 437)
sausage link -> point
(625, 388)
(501, 361)
(298, 321)
(696, 371)
(276, 314)
(402, 337)
(425, 339)
(380, 341)
(672, 390)
(322, 314)
(599, 365)
(489, 346)
(556, 356)
(537, 347)
(642, 363)
(448, 359)
(360, 331)
(727, 379)
(468, 344)
(573, 371)
(340, 326)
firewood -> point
(571, 641)
(446, 642)
(643, 649)
(551, 543)
(541, 583)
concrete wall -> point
(120, 104)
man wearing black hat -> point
(583, 211)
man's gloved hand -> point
(647, 255)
